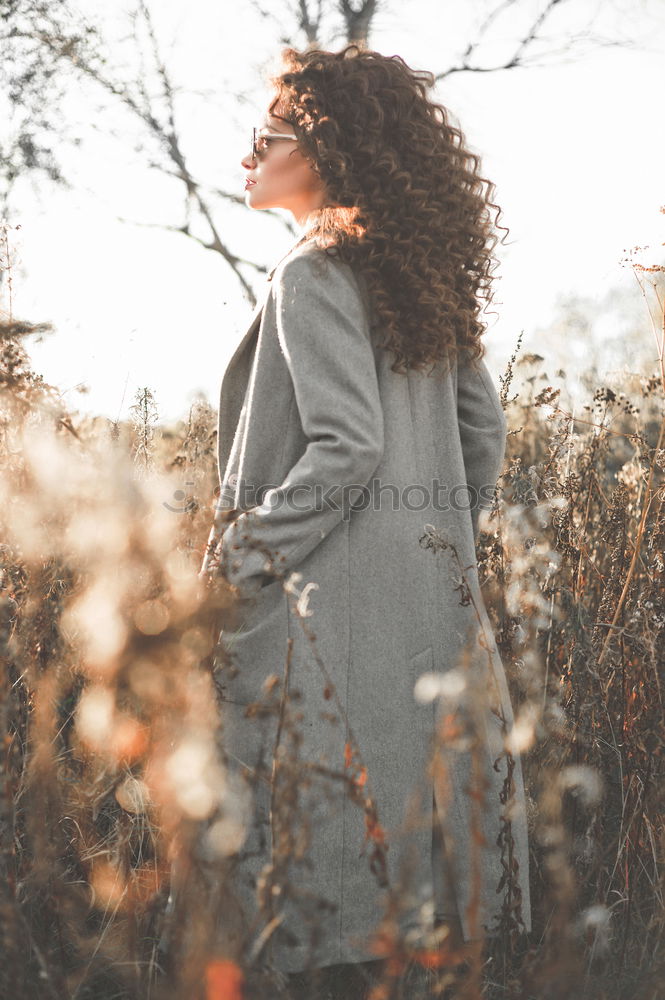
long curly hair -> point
(405, 204)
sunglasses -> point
(260, 143)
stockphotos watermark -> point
(376, 495)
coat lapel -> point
(253, 326)
(247, 336)
(233, 388)
(236, 375)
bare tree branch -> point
(517, 58)
(165, 133)
(358, 22)
(311, 26)
(184, 230)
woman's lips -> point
(249, 184)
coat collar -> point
(299, 240)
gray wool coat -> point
(336, 468)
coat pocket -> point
(257, 648)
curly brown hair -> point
(406, 205)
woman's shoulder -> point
(313, 272)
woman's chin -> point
(252, 200)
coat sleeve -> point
(483, 431)
(324, 336)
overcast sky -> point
(575, 148)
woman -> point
(360, 436)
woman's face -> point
(280, 176)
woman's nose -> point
(248, 161)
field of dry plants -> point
(118, 821)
